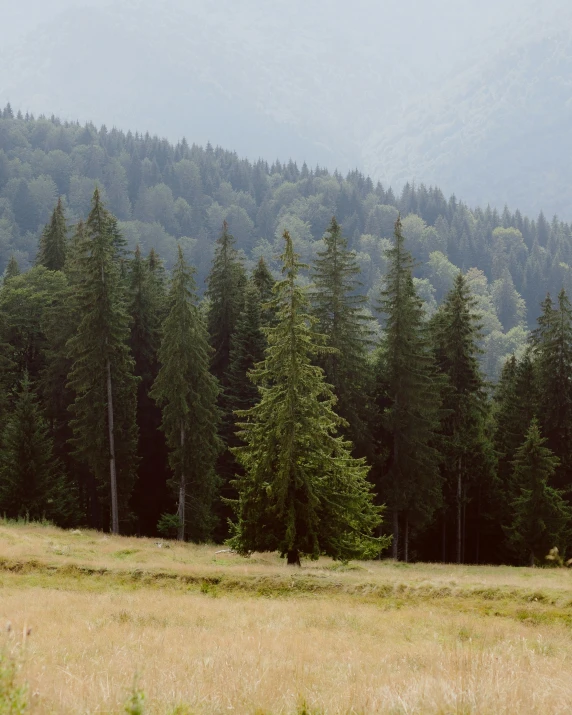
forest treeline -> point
(277, 415)
(164, 195)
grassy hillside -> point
(207, 631)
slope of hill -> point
(499, 133)
(164, 193)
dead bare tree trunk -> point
(112, 465)
(182, 492)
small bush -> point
(136, 701)
(168, 525)
(13, 697)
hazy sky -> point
(314, 80)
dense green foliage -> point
(297, 409)
(163, 195)
(302, 491)
(187, 393)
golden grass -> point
(222, 634)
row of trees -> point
(270, 413)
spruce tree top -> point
(12, 269)
(53, 243)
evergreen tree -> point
(410, 399)
(516, 405)
(101, 375)
(187, 394)
(552, 348)
(540, 516)
(12, 269)
(247, 349)
(53, 243)
(339, 310)
(225, 290)
(302, 492)
(263, 280)
(146, 296)
(456, 333)
(32, 483)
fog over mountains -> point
(472, 95)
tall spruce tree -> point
(32, 482)
(53, 242)
(465, 450)
(146, 303)
(540, 516)
(187, 393)
(225, 291)
(410, 400)
(302, 491)
(552, 349)
(101, 376)
(341, 318)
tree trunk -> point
(531, 559)
(478, 544)
(444, 539)
(459, 510)
(293, 557)
(406, 541)
(182, 492)
(395, 543)
(464, 532)
(112, 466)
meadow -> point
(92, 620)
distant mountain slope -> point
(448, 92)
(500, 132)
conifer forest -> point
(276, 357)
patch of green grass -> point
(124, 553)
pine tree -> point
(409, 398)
(53, 243)
(339, 310)
(302, 491)
(101, 375)
(32, 482)
(540, 516)
(456, 333)
(225, 290)
(146, 303)
(12, 269)
(187, 394)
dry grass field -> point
(207, 632)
